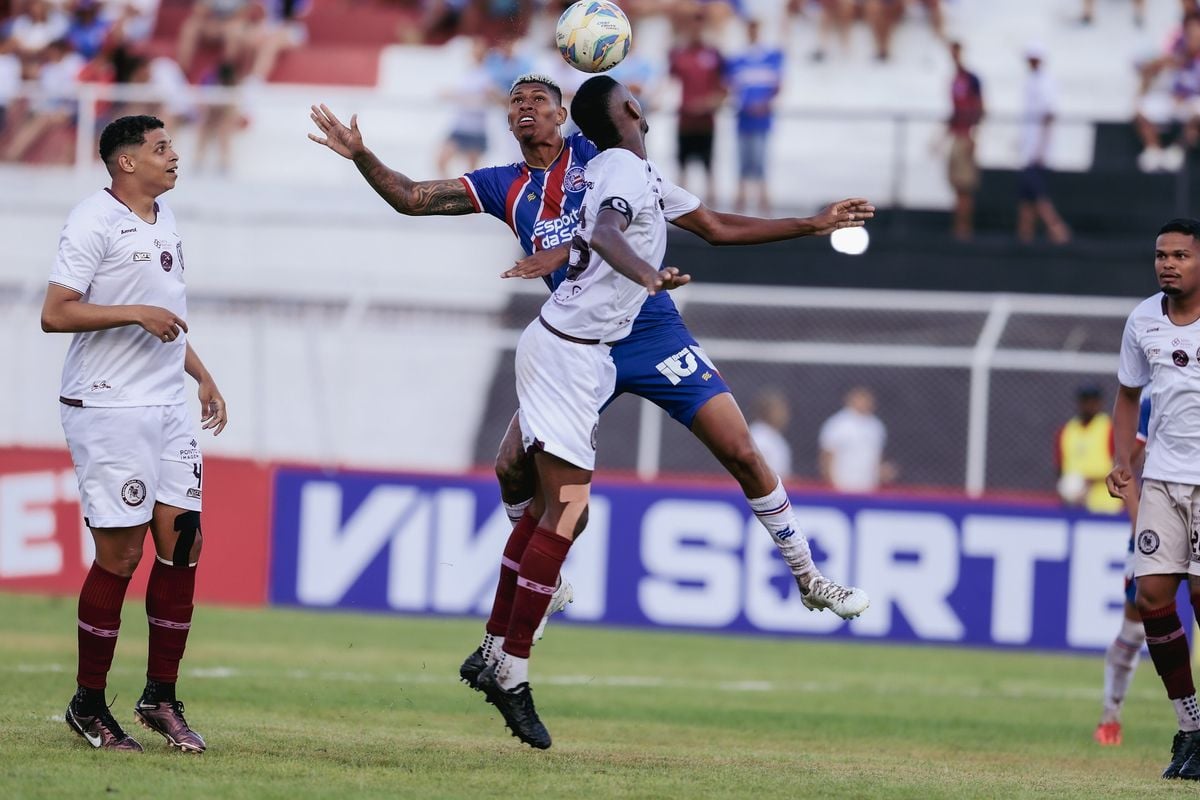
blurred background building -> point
(346, 335)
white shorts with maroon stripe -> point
(561, 386)
(128, 459)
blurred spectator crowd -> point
(725, 54)
(53, 46)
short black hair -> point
(1187, 225)
(1089, 391)
(591, 112)
(126, 132)
(545, 80)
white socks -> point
(1120, 663)
(516, 510)
(775, 513)
(511, 671)
(491, 647)
(1188, 713)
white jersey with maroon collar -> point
(1163, 359)
(113, 257)
(595, 302)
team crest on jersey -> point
(1147, 542)
(133, 493)
(1180, 358)
(167, 260)
(574, 180)
(141, 256)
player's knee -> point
(512, 471)
(188, 539)
(123, 561)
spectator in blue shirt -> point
(754, 78)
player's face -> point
(1175, 264)
(156, 162)
(534, 113)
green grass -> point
(297, 704)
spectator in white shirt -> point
(771, 416)
(1038, 117)
(851, 443)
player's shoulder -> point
(1149, 310)
(99, 211)
(581, 147)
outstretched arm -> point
(718, 228)
(415, 198)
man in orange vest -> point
(1084, 456)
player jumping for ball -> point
(659, 360)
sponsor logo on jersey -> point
(193, 493)
(162, 244)
(1147, 542)
(133, 493)
(128, 230)
(531, 197)
(574, 180)
(141, 256)
(1153, 353)
(595, 431)
(179, 254)
(1180, 358)
(100, 386)
(167, 260)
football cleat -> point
(516, 706)
(1184, 746)
(166, 719)
(564, 593)
(100, 730)
(1108, 734)
(845, 601)
(470, 669)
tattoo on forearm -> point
(447, 197)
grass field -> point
(299, 704)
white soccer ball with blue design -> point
(593, 35)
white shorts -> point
(1162, 108)
(561, 386)
(128, 459)
(1167, 516)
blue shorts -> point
(663, 363)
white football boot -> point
(563, 594)
(845, 601)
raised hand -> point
(672, 278)
(346, 142)
(851, 213)
(160, 323)
(540, 264)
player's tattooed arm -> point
(407, 196)
(415, 198)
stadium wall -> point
(690, 556)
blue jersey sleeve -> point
(1143, 430)
(488, 188)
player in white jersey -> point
(118, 286)
(565, 371)
(1160, 354)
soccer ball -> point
(593, 35)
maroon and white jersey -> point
(113, 257)
(594, 301)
